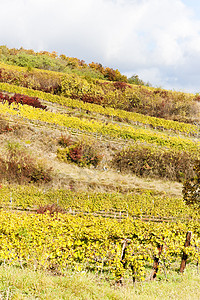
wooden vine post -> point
(197, 249)
(125, 244)
(185, 256)
(156, 263)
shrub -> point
(84, 153)
(39, 80)
(19, 166)
(148, 161)
(22, 99)
(89, 98)
(50, 208)
(119, 85)
(109, 73)
(65, 141)
(74, 85)
(166, 104)
(5, 126)
(191, 187)
(136, 80)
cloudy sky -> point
(157, 39)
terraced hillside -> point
(81, 139)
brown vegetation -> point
(158, 163)
(18, 166)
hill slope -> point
(83, 139)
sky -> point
(159, 40)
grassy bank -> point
(16, 283)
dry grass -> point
(42, 141)
(110, 180)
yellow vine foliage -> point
(87, 243)
(113, 130)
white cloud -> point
(155, 39)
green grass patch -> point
(16, 283)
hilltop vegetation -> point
(52, 62)
(94, 84)
(84, 139)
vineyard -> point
(92, 169)
(62, 242)
(138, 203)
(110, 129)
(131, 116)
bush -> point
(5, 126)
(84, 153)
(22, 99)
(65, 141)
(148, 161)
(166, 104)
(18, 166)
(38, 80)
(50, 208)
(73, 85)
(108, 73)
(191, 187)
(136, 80)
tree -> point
(136, 80)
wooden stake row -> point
(157, 258)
